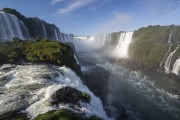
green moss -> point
(86, 97)
(63, 115)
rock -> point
(14, 115)
(68, 95)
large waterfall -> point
(91, 42)
(121, 50)
(117, 48)
(11, 26)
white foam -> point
(37, 83)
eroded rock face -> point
(68, 95)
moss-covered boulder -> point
(69, 95)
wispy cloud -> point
(76, 4)
(53, 2)
(119, 21)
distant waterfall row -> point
(117, 48)
(12, 27)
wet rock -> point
(68, 95)
(14, 115)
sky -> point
(90, 17)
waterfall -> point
(44, 31)
(168, 60)
(170, 36)
(121, 50)
(164, 58)
(176, 67)
(90, 43)
(56, 35)
(169, 49)
(11, 26)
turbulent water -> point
(145, 96)
(30, 87)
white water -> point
(91, 43)
(170, 36)
(176, 67)
(10, 27)
(44, 31)
(169, 49)
(168, 61)
(56, 35)
(121, 50)
(31, 86)
(75, 57)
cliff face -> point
(156, 46)
(28, 28)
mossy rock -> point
(64, 115)
(68, 95)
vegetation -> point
(150, 44)
(39, 51)
(64, 115)
(86, 97)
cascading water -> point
(44, 31)
(168, 61)
(169, 49)
(30, 87)
(92, 42)
(12, 27)
(176, 67)
(56, 35)
(121, 50)
(170, 36)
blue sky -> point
(89, 17)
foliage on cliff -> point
(150, 44)
(39, 51)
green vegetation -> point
(64, 115)
(86, 97)
(150, 44)
(39, 51)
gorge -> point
(128, 75)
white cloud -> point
(119, 21)
(53, 2)
(73, 6)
